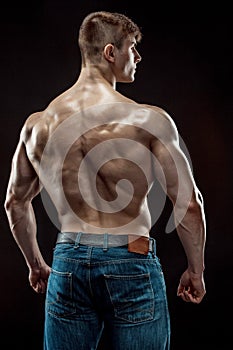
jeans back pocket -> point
(59, 294)
(132, 297)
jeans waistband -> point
(135, 243)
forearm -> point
(192, 233)
(23, 226)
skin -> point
(34, 165)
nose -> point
(138, 57)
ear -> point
(109, 52)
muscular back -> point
(94, 160)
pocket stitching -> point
(118, 309)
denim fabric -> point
(90, 288)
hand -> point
(38, 278)
(191, 287)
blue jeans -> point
(90, 290)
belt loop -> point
(153, 247)
(77, 240)
(105, 242)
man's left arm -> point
(23, 186)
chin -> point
(127, 80)
(131, 78)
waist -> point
(134, 243)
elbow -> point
(15, 210)
(194, 206)
(9, 203)
(196, 203)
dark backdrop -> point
(187, 70)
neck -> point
(95, 75)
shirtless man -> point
(97, 153)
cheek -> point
(129, 60)
(129, 64)
(125, 57)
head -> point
(103, 32)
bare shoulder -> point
(32, 123)
(33, 119)
(160, 113)
(162, 121)
(42, 123)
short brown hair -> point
(101, 28)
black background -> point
(186, 69)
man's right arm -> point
(188, 207)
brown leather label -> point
(138, 244)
